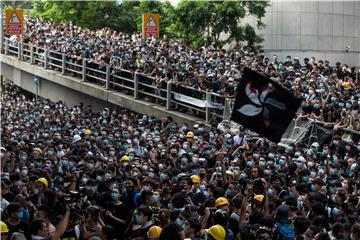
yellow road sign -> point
(14, 21)
(151, 24)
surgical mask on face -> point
(313, 188)
(206, 194)
(179, 222)
(138, 219)
(184, 161)
(249, 164)
(24, 172)
(115, 196)
(300, 165)
(18, 183)
(281, 162)
(155, 199)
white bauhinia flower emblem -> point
(260, 100)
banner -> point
(196, 102)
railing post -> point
(46, 58)
(32, 54)
(136, 85)
(107, 77)
(63, 64)
(19, 50)
(207, 109)
(168, 95)
(83, 70)
(6, 46)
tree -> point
(193, 22)
(201, 21)
(89, 14)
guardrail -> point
(207, 105)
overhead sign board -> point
(151, 24)
(14, 21)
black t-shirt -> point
(121, 212)
(22, 227)
(331, 116)
(69, 235)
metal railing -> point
(207, 105)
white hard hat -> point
(76, 138)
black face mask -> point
(202, 175)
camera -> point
(73, 197)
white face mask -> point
(24, 172)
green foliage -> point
(217, 22)
(89, 14)
(193, 22)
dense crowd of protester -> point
(71, 173)
(325, 88)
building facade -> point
(323, 29)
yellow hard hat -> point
(217, 232)
(346, 85)
(3, 227)
(88, 132)
(43, 181)
(37, 150)
(190, 134)
(230, 173)
(195, 179)
(154, 232)
(125, 158)
(221, 201)
(259, 198)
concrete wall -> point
(72, 91)
(321, 29)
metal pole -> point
(83, 70)
(2, 27)
(19, 50)
(37, 94)
(168, 95)
(46, 58)
(107, 77)
(32, 54)
(207, 109)
(136, 85)
(6, 47)
(63, 64)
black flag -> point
(263, 106)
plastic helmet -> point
(217, 232)
(221, 201)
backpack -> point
(284, 231)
